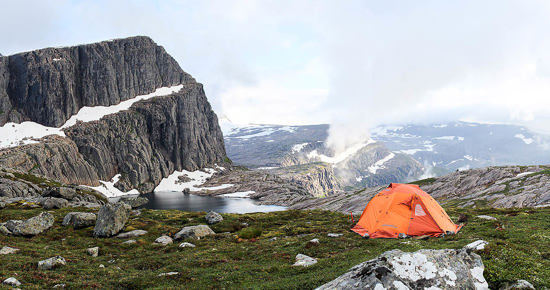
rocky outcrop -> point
(49, 85)
(500, 187)
(423, 269)
(318, 179)
(262, 186)
(111, 219)
(55, 157)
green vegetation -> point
(423, 182)
(250, 257)
(38, 180)
(227, 160)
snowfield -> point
(108, 188)
(380, 163)
(196, 179)
(12, 134)
(341, 156)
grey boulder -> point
(51, 263)
(213, 217)
(304, 261)
(8, 250)
(195, 232)
(79, 219)
(111, 219)
(34, 225)
(54, 202)
(131, 234)
(12, 282)
(164, 240)
(423, 269)
(94, 252)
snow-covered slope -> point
(463, 145)
(13, 134)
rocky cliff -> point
(144, 144)
(49, 85)
(152, 139)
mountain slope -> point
(463, 145)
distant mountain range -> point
(393, 154)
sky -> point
(353, 64)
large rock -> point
(51, 263)
(134, 201)
(304, 260)
(12, 282)
(195, 232)
(8, 250)
(79, 219)
(54, 202)
(213, 217)
(111, 219)
(34, 225)
(131, 234)
(423, 269)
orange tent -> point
(403, 209)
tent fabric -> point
(403, 209)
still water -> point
(190, 202)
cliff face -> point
(49, 85)
(152, 139)
(144, 144)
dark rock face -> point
(49, 85)
(152, 139)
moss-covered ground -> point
(237, 257)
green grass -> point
(423, 182)
(238, 257)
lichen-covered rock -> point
(94, 252)
(186, 245)
(423, 269)
(213, 217)
(111, 219)
(164, 240)
(8, 250)
(54, 202)
(79, 219)
(195, 232)
(304, 261)
(34, 225)
(51, 263)
(519, 284)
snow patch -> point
(400, 286)
(108, 188)
(197, 178)
(524, 174)
(440, 126)
(380, 163)
(339, 157)
(298, 147)
(87, 114)
(241, 194)
(469, 157)
(445, 138)
(524, 139)
(13, 134)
